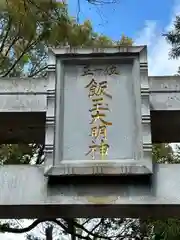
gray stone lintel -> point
(23, 109)
(29, 94)
(26, 193)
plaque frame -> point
(54, 163)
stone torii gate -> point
(55, 112)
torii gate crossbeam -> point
(142, 190)
(23, 191)
(25, 100)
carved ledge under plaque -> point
(100, 169)
(98, 113)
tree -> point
(28, 28)
(163, 153)
(173, 37)
(100, 228)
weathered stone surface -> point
(165, 87)
(165, 93)
(33, 130)
(108, 88)
(25, 193)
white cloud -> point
(159, 63)
(147, 34)
(158, 48)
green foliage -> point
(173, 37)
(166, 229)
(16, 153)
(27, 28)
(125, 41)
(163, 153)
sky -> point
(143, 21)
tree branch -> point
(40, 154)
(6, 35)
(88, 220)
(15, 39)
(29, 45)
(101, 2)
(6, 228)
(37, 64)
(35, 73)
(97, 225)
(71, 228)
(91, 233)
(96, 235)
(49, 232)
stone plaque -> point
(99, 114)
(98, 117)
